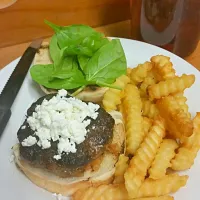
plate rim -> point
(146, 44)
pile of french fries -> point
(161, 137)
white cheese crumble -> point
(62, 93)
(61, 119)
(29, 141)
(23, 127)
(57, 157)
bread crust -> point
(43, 57)
(68, 186)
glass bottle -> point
(171, 24)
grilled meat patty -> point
(100, 133)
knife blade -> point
(14, 83)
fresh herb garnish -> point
(54, 49)
(106, 64)
(42, 74)
(81, 56)
(73, 35)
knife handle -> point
(5, 114)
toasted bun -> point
(68, 186)
(43, 57)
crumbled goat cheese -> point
(23, 127)
(57, 157)
(29, 141)
(61, 119)
(62, 93)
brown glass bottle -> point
(171, 24)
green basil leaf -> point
(69, 68)
(81, 56)
(87, 47)
(94, 42)
(55, 53)
(71, 35)
(59, 58)
(69, 63)
(76, 50)
(54, 49)
(107, 64)
(42, 73)
(82, 60)
(63, 74)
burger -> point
(66, 144)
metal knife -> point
(14, 83)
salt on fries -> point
(160, 134)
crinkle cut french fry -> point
(187, 153)
(184, 159)
(163, 67)
(112, 97)
(129, 71)
(152, 75)
(133, 181)
(139, 164)
(102, 192)
(156, 198)
(149, 147)
(169, 184)
(120, 168)
(162, 160)
(181, 100)
(170, 86)
(147, 123)
(122, 111)
(194, 139)
(132, 106)
(139, 73)
(149, 80)
(176, 119)
(149, 109)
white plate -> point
(15, 186)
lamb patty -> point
(100, 133)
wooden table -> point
(120, 29)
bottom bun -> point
(68, 186)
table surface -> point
(120, 29)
